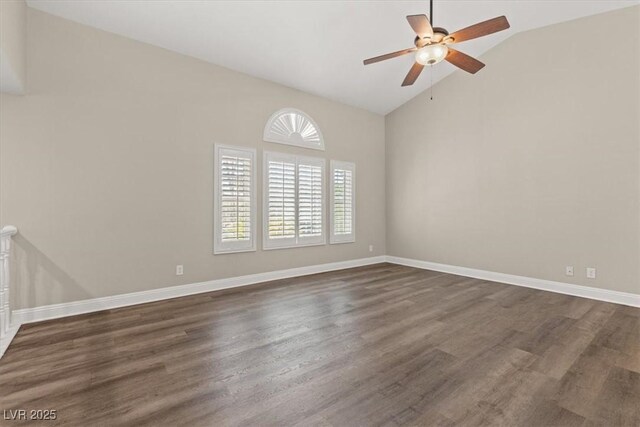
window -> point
(343, 202)
(234, 200)
(293, 201)
(293, 127)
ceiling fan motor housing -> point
(439, 34)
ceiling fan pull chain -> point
(431, 77)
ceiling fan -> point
(432, 44)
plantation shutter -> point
(235, 200)
(342, 202)
(293, 201)
(281, 199)
(310, 201)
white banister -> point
(6, 331)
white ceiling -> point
(315, 46)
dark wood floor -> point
(378, 345)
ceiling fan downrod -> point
(431, 11)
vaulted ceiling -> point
(316, 46)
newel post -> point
(6, 233)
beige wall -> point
(530, 165)
(107, 165)
(13, 39)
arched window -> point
(293, 127)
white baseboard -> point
(616, 297)
(6, 340)
(54, 311)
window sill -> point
(294, 246)
(341, 241)
(232, 251)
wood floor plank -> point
(380, 345)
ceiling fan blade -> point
(464, 61)
(413, 74)
(480, 29)
(389, 56)
(421, 25)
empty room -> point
(320, 213)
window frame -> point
(335, 239)
(297, 241)
(220, 247)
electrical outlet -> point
(568, 270)
(591, 273)
(370, 248)
(179, 270)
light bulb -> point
(431, 54)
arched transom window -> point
(293, 127)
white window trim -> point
(295, 242)
(228, 248)
(342, 238)
(269, 137)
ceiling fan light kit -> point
(431, 54)
(433, 45)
